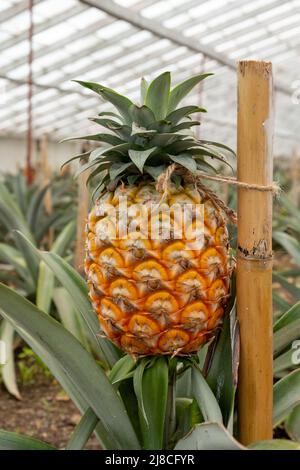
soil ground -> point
(44, 412)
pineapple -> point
(154, 293)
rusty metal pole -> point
(254, 254)
(29, 169)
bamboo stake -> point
(254, 254)
(82, 215)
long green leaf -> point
(184, 385)
(142, 115)
(286, 396)
(154, 171)
(182, 89)
(12, 256)
(286, 335)
(288, 204)
(220, 376)
(290, 244)
(86, 375)
(157, 98)
(83, 430)
(208, 436)
(45, 283)
(102, 137)
(64, 239)
(121, 103)
(290, 316)
(155, 392)
(143, 90)
(117, 169)
(8, 370)
(16, 441)
(284, 362)
(139, 158)
(32, 261)
(121, 369)
(20, 191)
(295, 272)
(13, 218)
(81, 157)
(44, 288)
(64, 380)
(275, 444)
(279, 302)
(69, 316)
(34, 208)
(289, 286)
(218, 145)
(138, 385)
(185, 160)
(180, 113)
(56, 219)
(205, 398)
(10, 213)
(183, 417)
(292, 424)
(126, 391)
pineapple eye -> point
(196, 312)
(177, 251)
(191, 280)
(217, 290)
(110, 310)
(211, 256)
(134, 345)
(161, 301)
(122, 287)
(173, 340)
(141, 325)
(150, 270)
(111, 257)
(215, 319)
(136, 240)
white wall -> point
(13, 153)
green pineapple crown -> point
(144, 140)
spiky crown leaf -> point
(144, 140)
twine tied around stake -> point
(188, 177)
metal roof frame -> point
(221, 38)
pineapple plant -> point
(155, 292)
(145, 284)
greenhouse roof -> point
(117, 42)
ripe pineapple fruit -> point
(154, 293)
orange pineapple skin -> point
(157, 296)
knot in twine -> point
(163, 183)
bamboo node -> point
(257, 253)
